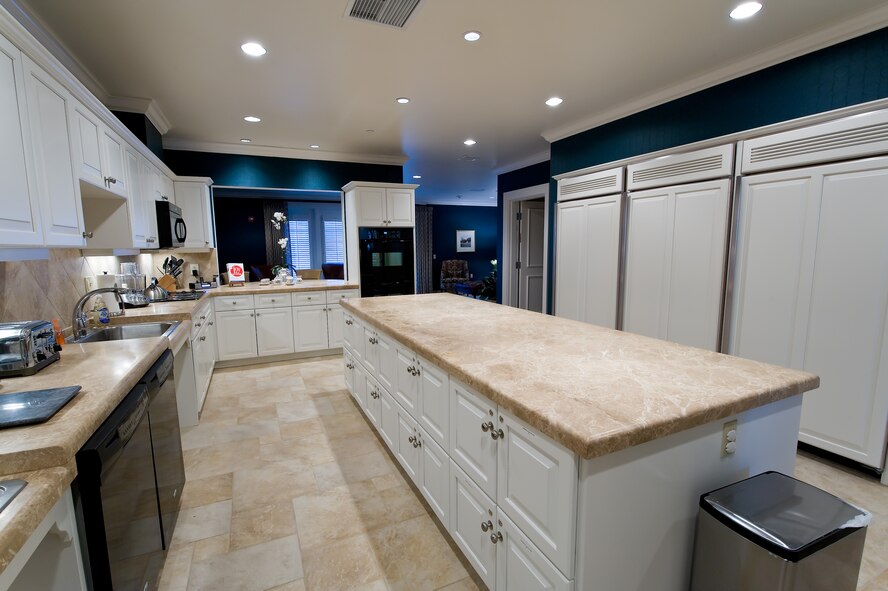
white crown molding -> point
(525, 162)
(143, 106)
(278, 152)
(458, 203)
(848, 29)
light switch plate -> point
(90, 283)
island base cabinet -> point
(348, 367)
(472, 427)
(388, 420)
(434, 476)
(655, 488)
(434, 402)
(407, 444)
(360, 387)
(274, 331)
(388, 362)
(236, 335)
(473, 524)
(520, 565)
(537, 488)
(372, 408)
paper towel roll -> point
(106, 280)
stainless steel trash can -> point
(773, 532)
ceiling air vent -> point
(394, 13)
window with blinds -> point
(333, 247)
(299, 247)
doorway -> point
(525, 248)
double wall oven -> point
(386, 261)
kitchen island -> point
(588, 447)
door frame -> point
(510, 201)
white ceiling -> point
(328, 79)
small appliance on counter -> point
(27, 347)
(133, 285)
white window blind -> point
(333, 252)
(300, 244)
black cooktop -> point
(182, 296)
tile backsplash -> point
(47, 289)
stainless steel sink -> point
(123, 332)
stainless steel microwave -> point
(171, 228)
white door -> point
(148, 191)
(399, 207)
(113, 148)
(310, 327)
(371, 206)
(434, 402)
(373, 409)
(19, 209)
(847, 340)
(88, 146)
(537, 488)
(434, 476)
(472, 523)
(334, 325)
(521, 565)
(406, 383)
(347, 323)
(570, 254)
(138, 221)
(236, 335)
(675, 257)
(49, 110)
(530, 255)
(348, 370)
(472, 446)
(388, 420)
(274, 331)
(388, 362)
(407, 447)
(354, 336)
(194, 199)
(371, 351)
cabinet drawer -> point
(522, 564)
(307, 298)
(241, 302)
(272, 300)
(200, 319)
(471, 445)
(472, 521)
(334, 295)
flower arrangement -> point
(488, 284)
(277, 219)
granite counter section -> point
(593, 389)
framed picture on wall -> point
(465, 241)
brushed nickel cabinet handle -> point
(498, 434)
(487, 526)
(488, 426)
(497, 537)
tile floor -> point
(289, 489)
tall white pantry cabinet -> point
(810, 284)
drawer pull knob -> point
(210, 323)
(487, 526)
(497, 537)
(203, 338)
(198, 324)
(488, 426)
(498, 434)
(412, 439)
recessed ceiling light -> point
(470, 142)
(417, 176)
(745, 10)
(245, 140)
(252, 119)
(403, 100)
(554, 101)
(472, 35)
(253, 49)
(314, 146)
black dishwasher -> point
(128, 486)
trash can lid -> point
(787, 517)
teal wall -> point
(143, 129)
(238, 170)
(446, 220)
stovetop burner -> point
(182, 296)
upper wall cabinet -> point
(595, 184)
(99, 152)
(19, 210)
(377, 204)
(193, 196)
(676, 169)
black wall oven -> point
(386, 261)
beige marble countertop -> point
(27, 510)
(593, 389)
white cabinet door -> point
(675, 262)
(520, 564)
(472, 447)
(88, 146)
(310, 327)
(434, 402)
(113, 167)
(371, 351)
(167, 188)
(407, 445)
(236, 335)
(399, 207)
(348, 369)
(388, 420)
(49, 111)
(361, 387)
(335, 325)
(274, 331)
(388, 362)
(406, 382)
(537, 488)
(587, 257)
(434, 476)
(472, 523)
(136, 205)
(847, 338)
(371, 206)
(19, 209)
(354, 337)
(373, 407)
(150, 195)
(194, 199)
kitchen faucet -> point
(78, 318)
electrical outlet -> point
(90, 283)
(729, 438)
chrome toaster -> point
(26, 347)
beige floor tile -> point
(389, 480)
(347, 469)
(211, 434)
(344, 425)
(205, 491)
(261, 413)
(203, 522)
(221, 459)
(348, 564)
(290, 412)
(261, 397)
(301, 428)
(415, 556)
(308, 450)
(337, 514)
(270, 483)
(402, 503)
(176, 569)
(209, 547)
(261, 523)
(291, 586)
(880, 583)
(466, 584)
(255, 568)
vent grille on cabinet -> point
(820, 143)
(700, 165)
(671, 171)
(591, 185)
(394, 13)
(596, 184)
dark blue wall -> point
(529, 176)
(240, 231)
(143, 129)
(237, 170)
(446, 220)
